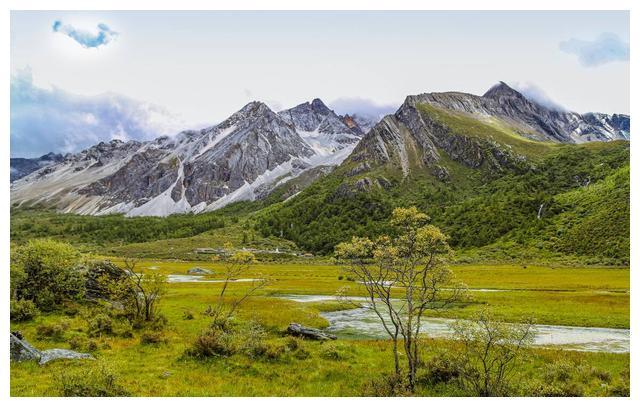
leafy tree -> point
(410, 263)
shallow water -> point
(187, 278)
(364, 323)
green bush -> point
(23, 310)
(48, 273)
(122, 327)
(95, 381)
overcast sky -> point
(78, 78)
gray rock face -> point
(21, 350)
(258, 141)
(21, 167)
(408, 133)
(534, 120)
(309, 333)
(322, 128)
(316, 116)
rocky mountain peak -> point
(319, 107)
(315, 116)
(253, 109)
(502, 90)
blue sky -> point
(137, 75)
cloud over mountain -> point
(362, 106)
(44, 120)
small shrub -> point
(95, 381)
(265, 350)
(559, 371)
(23, 310)
(71, 309)
(78, 342)
(293, 344)
(622, 387)
(100, 324)
(330, 352)
(92, 345)
(214, 342)
(51, 331)
(570, 389)
(159, 322)
(187, 315)
(387, 386)
(123, 328)
(441, 368)
(152, 337)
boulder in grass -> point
(309, 333)
(199, 271)
(21, 350)
(54, 354)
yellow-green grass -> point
(560, 296)
(506, 276)
(163, 370)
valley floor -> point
(597, 297)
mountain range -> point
(257, 154)
(242, 158)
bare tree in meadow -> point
(235, 265)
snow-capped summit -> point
(323, 130)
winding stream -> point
(362, 322)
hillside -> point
(483, 179)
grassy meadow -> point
(565, 296)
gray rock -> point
(21, 350)
(199, 271)
(309, 333)
(54, 354)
